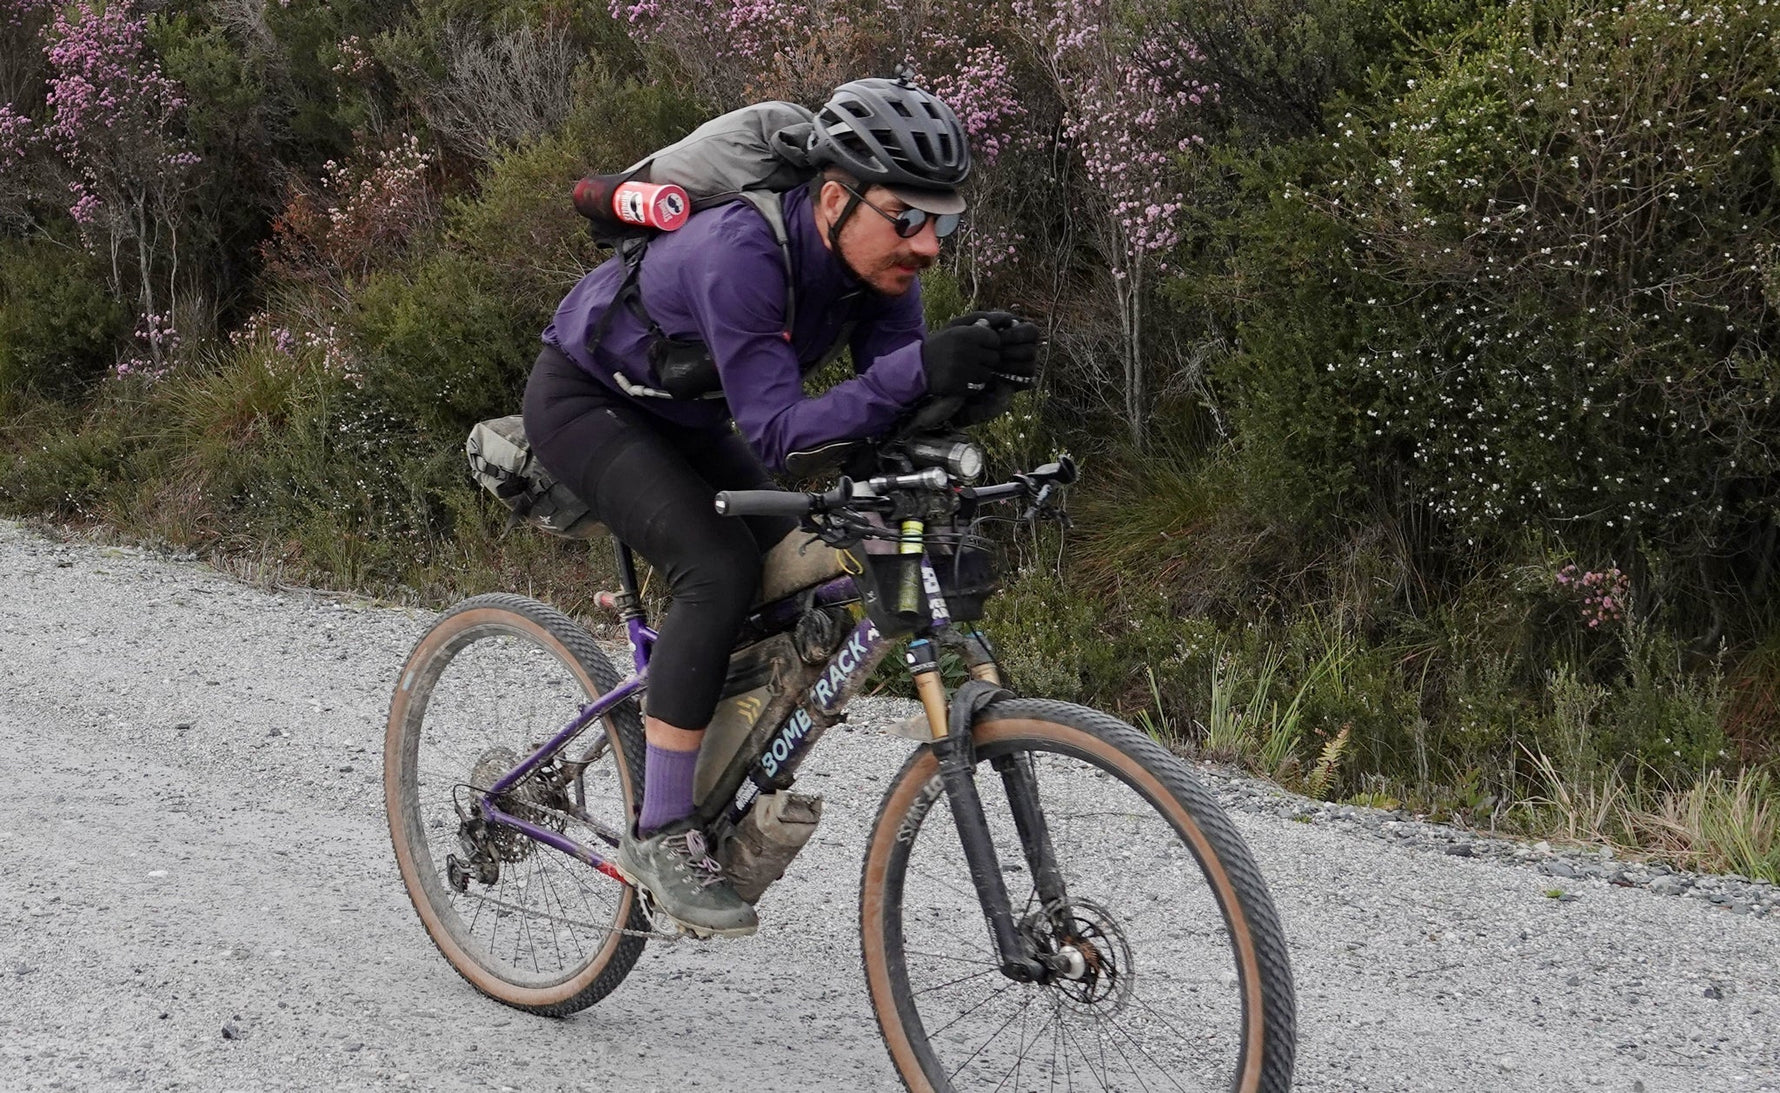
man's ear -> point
(831, 199)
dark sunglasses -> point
(909, 222)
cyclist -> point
(890, 159)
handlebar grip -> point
(782, 502)
(1063, 471)
(764, 503)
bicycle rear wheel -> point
(528, 925)
(1179, 978)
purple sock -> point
(667, 788)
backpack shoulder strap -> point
(767, 201)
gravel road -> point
(199, 893)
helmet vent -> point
(892, 134)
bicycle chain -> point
(656, 935)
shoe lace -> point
(693, 847)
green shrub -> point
(59, 321)
(1663, 717)
(65, 466)
(440, 349)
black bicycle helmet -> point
(891, 133)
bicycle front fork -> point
(950, 723)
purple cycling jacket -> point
(721, 279)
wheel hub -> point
(1090, 959)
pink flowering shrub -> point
(1601, 596)
(15, 136)
(111, 110)
(980, 88)
(157, 335)
(1130, 107)
(110, 121)
(262, 328)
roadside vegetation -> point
(1419, 353)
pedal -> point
(668, 928)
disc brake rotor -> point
(1099, 966)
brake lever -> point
(838, 529)
(1041, 508)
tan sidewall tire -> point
(993, 729)
(510, 614)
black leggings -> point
(652, 483)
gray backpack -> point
(752, 154)
(501, 462)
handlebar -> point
(1037, 483)
(1033, 482)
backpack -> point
(501, 462)
(753, 154)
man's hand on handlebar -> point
(1011, 365)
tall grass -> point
(1720, 824)
(1265, 733)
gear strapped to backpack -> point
(753, 154)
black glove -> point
(1019, 354)
(960, 359)
(1019, 344)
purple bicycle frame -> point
(847, 670)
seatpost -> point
(628, 601)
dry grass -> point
(1721, 824)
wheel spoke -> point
(955, 982)
(991, 1038)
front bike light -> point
(961, 459)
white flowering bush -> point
(1551, 299)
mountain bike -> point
(1050, 899)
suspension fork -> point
(1021, 781)
(951, 745)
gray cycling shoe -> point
(675, 866)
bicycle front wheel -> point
(493, 680)
(1173, 970)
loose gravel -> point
(198, 893)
